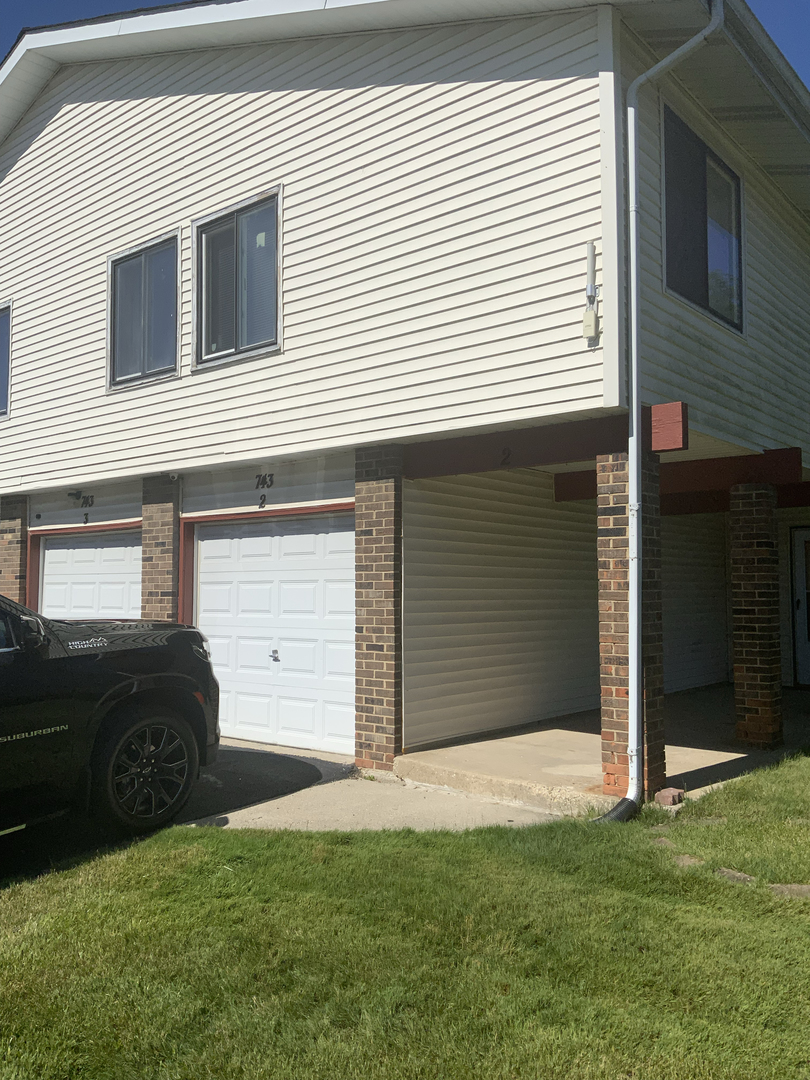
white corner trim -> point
(611, 127)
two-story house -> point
(314, 331)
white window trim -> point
(10, 305)
(160, 376)
(716, 320)
(197, 225)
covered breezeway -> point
(555, 764)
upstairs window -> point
(704, 250)
(144, 314)
(5, 358)
(239, 284)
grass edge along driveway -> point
(562, 950)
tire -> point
(143, 770)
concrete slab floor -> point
(556, 765)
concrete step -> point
(557, 798)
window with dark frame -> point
(5, 358)
(703, 231)
(144, 314)
(238, 275)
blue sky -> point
(787, 21)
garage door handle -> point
(274, 656)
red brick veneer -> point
(755, 613)
(13, 546)
(160, 538)
(378, 585)
(613, 553)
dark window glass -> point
(257, 276)
(702, 224)
(6, 637)
(239, 259)
(220, 288)
(128, 319)
(5, 357)
(723, 228)
(145, 313)
(161, 304)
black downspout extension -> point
(624, 810)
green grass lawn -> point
(564, 951)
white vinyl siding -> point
(499, 605)
(750, 389)
(438, 187)
(695, 601)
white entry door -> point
(95, 576)
(276, 601)
(801, 603)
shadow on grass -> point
(239, 778)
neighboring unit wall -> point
(794, 518)
(693, 570)
(500, 617)
(438, 189)
(750, 389)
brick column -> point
(378, 584)
(13, 546)
(613, 522)
(755, 614)
(161, 548)
(652, 628)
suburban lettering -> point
(31, 734)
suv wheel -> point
(143, 771)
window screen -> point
(145, 313)
(5, 357)
(239, 281)
(702, 223)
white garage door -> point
(276, 601)
(97, 576)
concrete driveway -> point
(258, 787)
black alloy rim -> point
(149, 771)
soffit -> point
(743, 81)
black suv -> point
(113, 716)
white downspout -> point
(635, 736)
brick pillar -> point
(161, 548)
(652, 628)
(378, 584)
(13, 546)
(755, 614)
(613, 522)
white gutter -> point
(635, 735)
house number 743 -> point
(264, 480)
